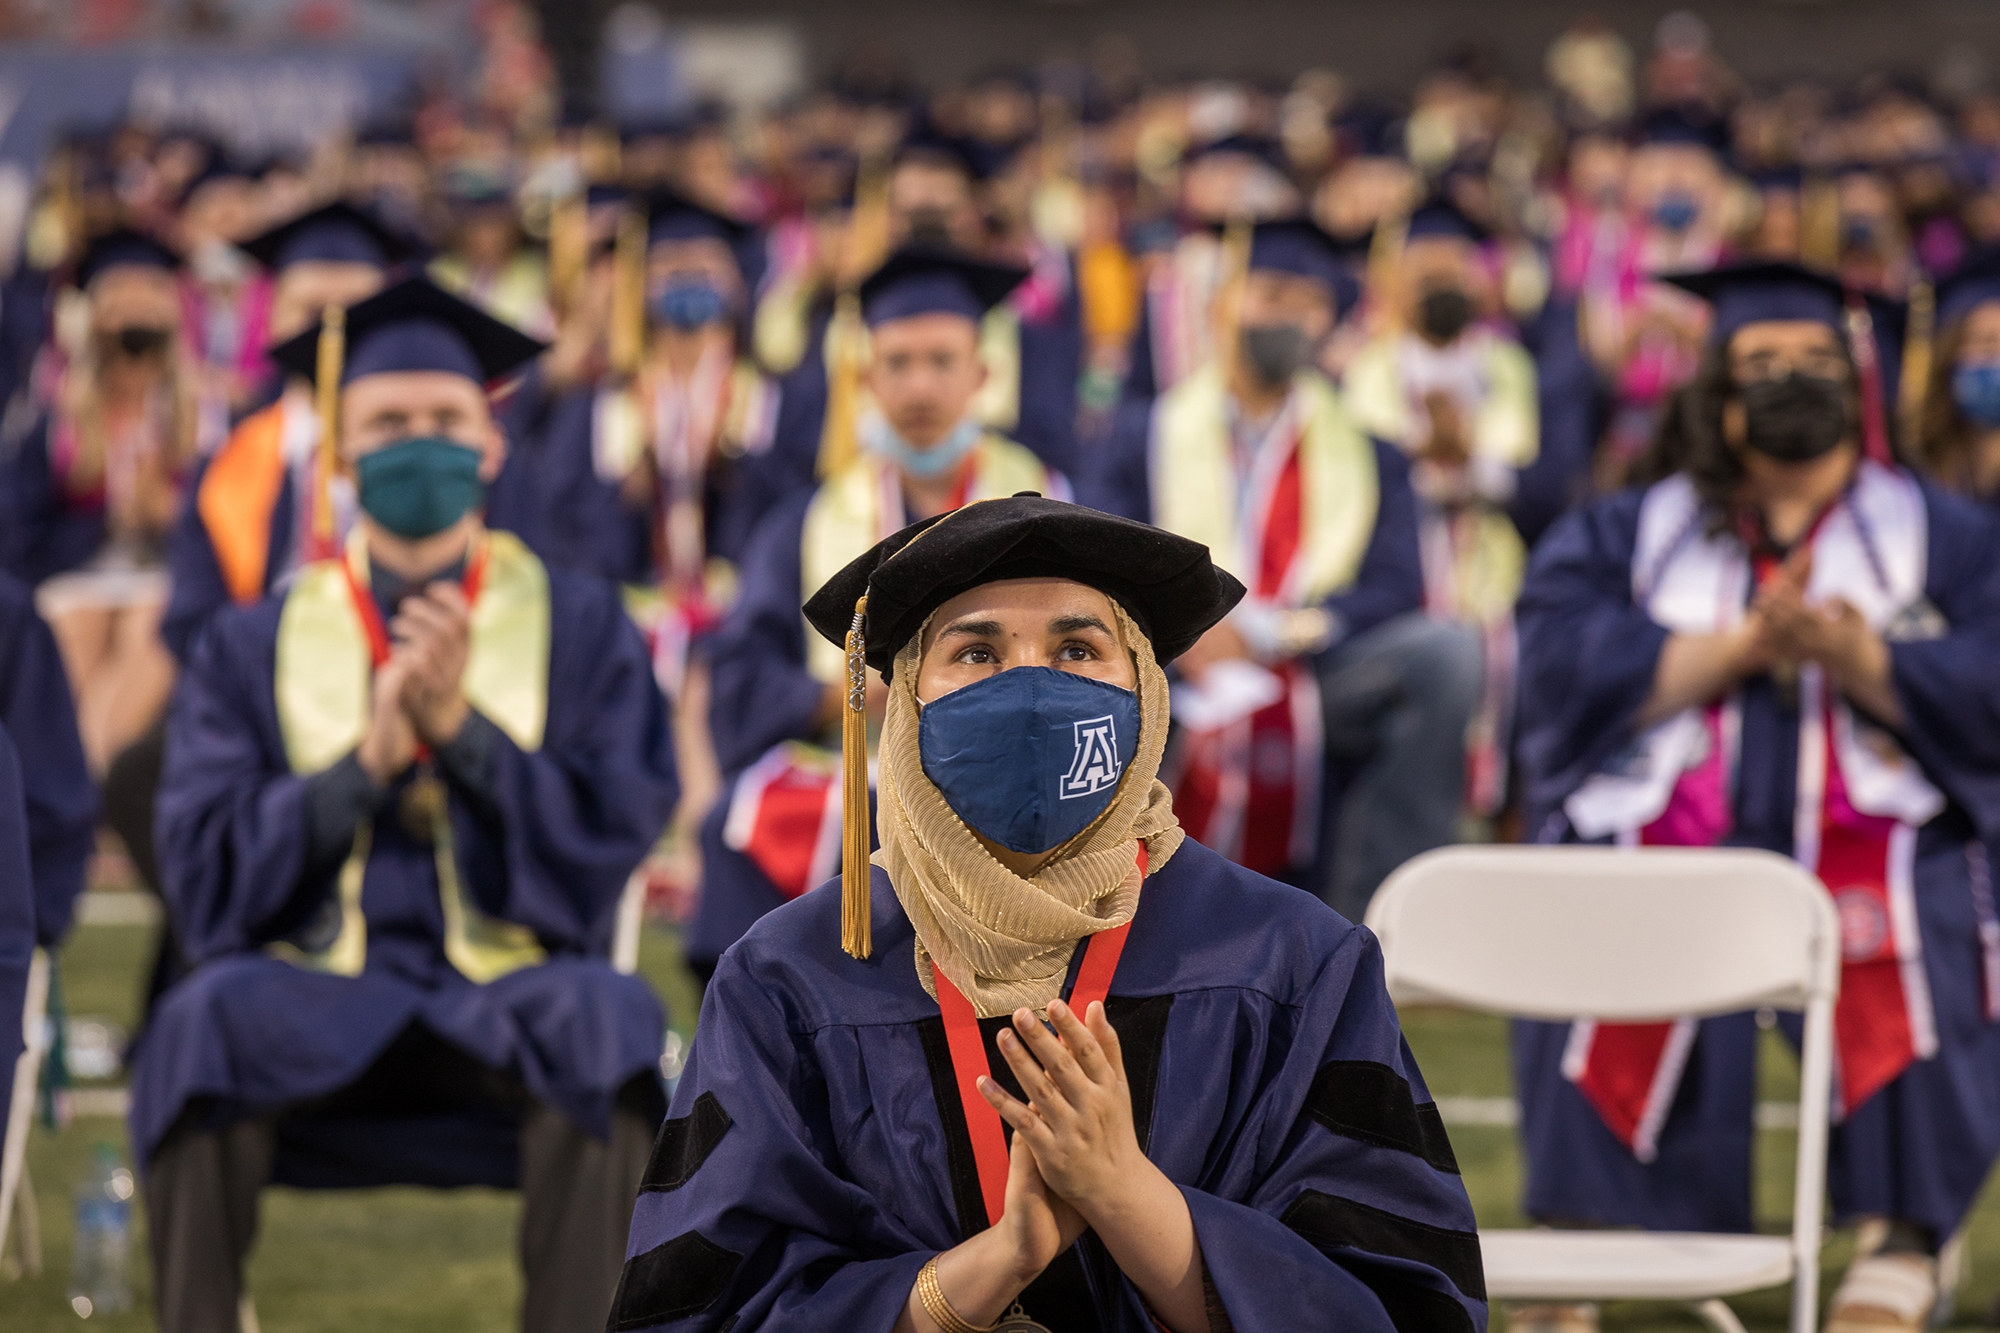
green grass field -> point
(404, 1259)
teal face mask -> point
(419, 487)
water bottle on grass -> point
(101, 1273)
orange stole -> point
(238, 492)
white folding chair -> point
(20, 1112)
(1631, 936)
(625, 927)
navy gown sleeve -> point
(36, 710)
(514, 498)
(1142, 382)
(550, 841)
(17, 921)
(585, 523)
(1948, 688)
(1588, 653)
(1567, 407)
(760, 482)
(1340, 1191)
(197, 588)
(40, 534)
(762, 692)
(1391, 578)
(1118, 477)
(231, 824)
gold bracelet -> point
(938, 1308)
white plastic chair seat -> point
(1630, 1265)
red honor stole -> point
(1883, 1021)
(1250, 788)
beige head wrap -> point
(1004, 940)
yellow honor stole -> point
(1197, 493)
(322, 685)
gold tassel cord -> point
(569, 248)
(1918, 341)
(628, 294)
(847, 342)
(332, 354)
(854, 867)
(1819, 223)
(1233, 270)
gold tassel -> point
(854, 870)
(1232, 269)
(628, 294)
(326, 385)
(569, 248)
(1819, 223)
(1385, 261)
(1917, 344)
(847, 341)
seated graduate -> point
(399, 806)
(1225, 1128)
(1353, 702)
(61, 801)
(1958, 421)
(1780, 642)
(776, 692)
(250, 525)
(18, 927)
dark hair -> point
(1943, 447)
(1688, 438)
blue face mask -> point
(1676, 212)
(1975, 387)
(1029, 757)
(878, 437)
(419, 487)
(690, 305)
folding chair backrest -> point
(1610, 933)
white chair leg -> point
(28, 1214)
(246, 1315)
(21, 1096)
(1718, 1316)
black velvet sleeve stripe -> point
(1330, 1222)
(1141, 1025)
(1415, 1309)
(1360, 1099)
(671, 1281)
(964, 1169)
(684, 1144)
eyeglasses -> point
(1763, 367)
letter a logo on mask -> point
(1096, 764)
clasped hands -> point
(1781, 631)
(418, 696)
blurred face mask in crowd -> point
(1276, 352)
(690, 303)
(1794, 419)
(139, 341)
(423, 446)
(1676, 211)
(1443, 313)
(1975, 387)
(419, 487)
(1284, 319)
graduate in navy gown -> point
(1364, 699)
(17, 920)
(923, 452)
(37, 712)
(1778, 642)
(1958, 418)
(1224, 1129)
(399, 806)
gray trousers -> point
(1397, 701)
(201, 1212)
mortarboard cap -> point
(1972, 284)
(1683, 125)
(1297, 246)
(928, 144)
(1260, 148)
(672, 216)
(1439, 216)
(124, 248)
(416, 326)
(336, 233)
(220, 167)
(1754, 293)
(923, 280)
(1167, 583)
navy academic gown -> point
(43, 530)
(817, 1156)
(548, 846)
(513, 504)
(1567, 406)
(761, 694)
(17, 920)
(588, 524)
(1918, 1150)
(1389, 583)
(37, 713)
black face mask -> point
(927, 226)
(1276, 352)
(1443, 314)
(1795, 419)
(137, 340)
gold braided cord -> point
(855, 904)
(332, 356)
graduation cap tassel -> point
(1916, 372)
(569, 248)
(846, 341)
(628, 294)
(1385, 256)
(1235, 267)
(326, 386)
(1819, 224)
(854, 870)
(1868, 367)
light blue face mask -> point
(1029, 757)
(878, 437)
(1676, 212)
(1975, 387)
